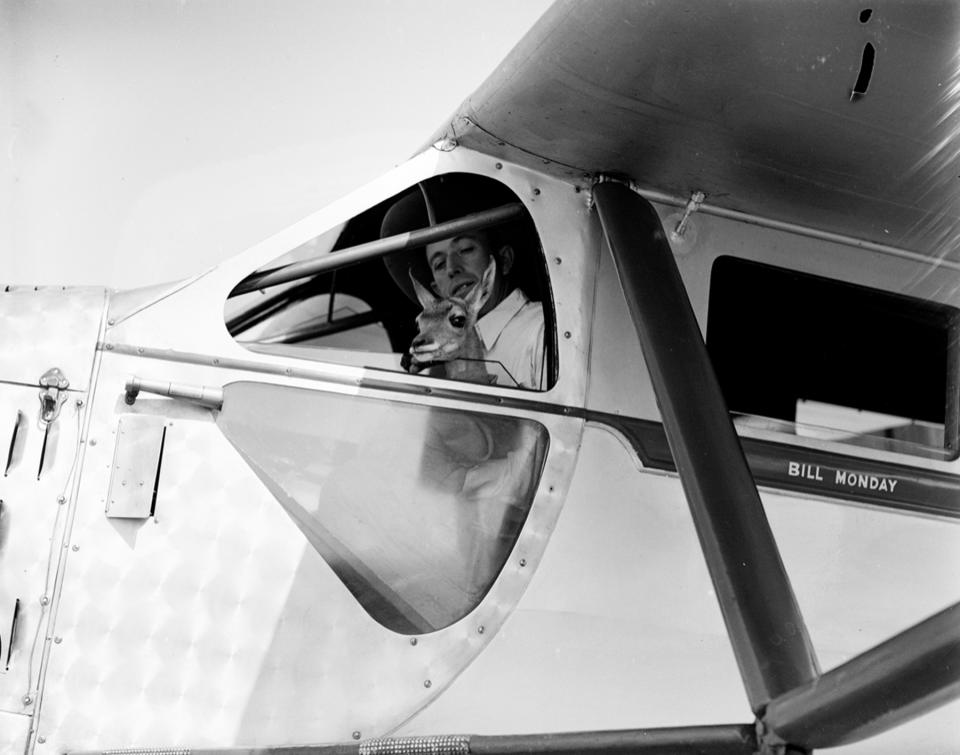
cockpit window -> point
(445, 279)
(415, 508)
(820, 358)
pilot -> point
(510, 325)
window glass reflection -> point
(415, 508)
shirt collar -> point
(491, 325)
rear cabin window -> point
(821, 358)
(367, 312)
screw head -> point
(413, 640)
(427, 683)
(57, 640)
(76, 548)
(356, 735)
(61, 499)
(111, 321)
(79, 402)
(481, 629)
(41, 740)
(93, 441)
(523, 562)
(27, 700)
(44, 600)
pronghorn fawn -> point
(448, 343)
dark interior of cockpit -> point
(779, 338)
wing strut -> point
(909, 674)
(763, 620)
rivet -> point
(557, 260)
(123, 482)
(41, 740)
(139, 349)
(427, 683)
(27, 700)
(44, 600)
(480, 629)
(288, 371)
(356, 735)
(499, 166)
(523, 562)
(61, 499)
(111, 322)
(76, 548)
(566, 334)
(93, 441)
(57, 640)
(413, 640)
(551, 488)
(109, 347)
(79, 402)
(536, 192)
(216, 361)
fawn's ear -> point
(425, 296)
(479, 294)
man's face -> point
(457, 264)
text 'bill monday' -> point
(842, 477)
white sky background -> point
(145, 140)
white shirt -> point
(512, 335)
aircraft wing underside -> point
(840, 117)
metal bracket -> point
(53, 392)
(696, 199)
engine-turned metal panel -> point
(34, 503)
(136, 462)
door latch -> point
(53, 392)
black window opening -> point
(813, 356)
(369, 306)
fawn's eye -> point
(458, 321)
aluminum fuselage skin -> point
(214, 623)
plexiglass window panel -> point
(415, 508)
